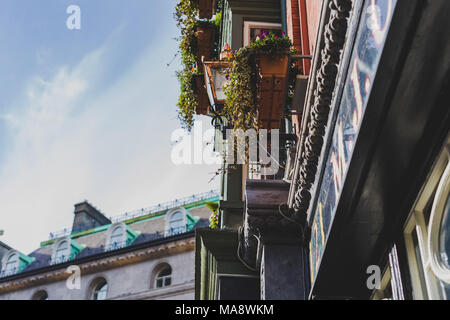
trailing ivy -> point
(186, 12)
(186, 16)
(241, 93)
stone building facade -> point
(143, 255)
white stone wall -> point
(132, 281)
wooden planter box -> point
(202, 96)
(205, 35)
(272, 89)
(206, 8)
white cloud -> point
(74, 142)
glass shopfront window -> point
(367, 50)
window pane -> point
(165, 272)
(62, 252)
(12, 264)
(100, 291)
(164, 277)
(177, 223)
(176, 216)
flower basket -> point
(202, 96)
(206, 8)
(273, 73)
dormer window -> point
(117, 238)
(12, 264)
(62, 252)
(65, 249)
(119, 235)
(175, 222)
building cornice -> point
(317, 112)
(99, 262)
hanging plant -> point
(191, 89)
(242, 91)
(186, 16)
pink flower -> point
(263, 34)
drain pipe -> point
(283, 16)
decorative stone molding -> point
(101, 264)
(265, 222)
(308, 154)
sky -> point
(88, 114)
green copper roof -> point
(191, 221)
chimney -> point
(87, 217)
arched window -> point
(176, 223)
(40, 295)
(163, 277)
(100, 290)
(117, 238)
(62, 252)
(12, 264)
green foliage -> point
(241, 92)
(217, 19)
(186, 12)
(186, 15)
(214, 217)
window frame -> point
(110, 236)
(112, 241)
(249, 24)
(97, 286)
(163, 278)
(66, 250)
(417, 222)
(40, 295)
(15, 269)
(169, 215)
(434, 228)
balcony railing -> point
(7, 273)
(63, 258)
(146, 211)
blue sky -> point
(87, 114)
